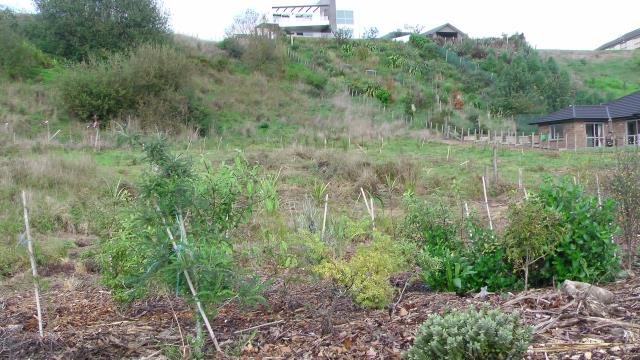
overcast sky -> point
(547, 24)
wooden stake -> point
(448, 152)
(324, 218)
(32, 259)
(486, 203)
(495, 162)
(519, 178)
(369, 207)
(466, 209)
(194, 293)
(598, 190)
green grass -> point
(612, 76)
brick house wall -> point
(575, 134)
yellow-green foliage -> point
(366, 273)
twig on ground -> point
(258, 326)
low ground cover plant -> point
(471, 334)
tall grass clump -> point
(153, 83)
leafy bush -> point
(587, 251)
(232, 46)
(199, 207)
(366, 274)
(152, 82)
(625, 189)
(310, 77)
(532, 234)
(448, 261)
(78, 29)
(383, 95)
(471, 334)
(19, 59)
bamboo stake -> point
(495, 162)
(519, 178)
(486, 202)
(32, 259)
(598, 189)
(324, 218)
(369, 208)
(194, 293)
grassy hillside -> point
(611, 74)
(306, 188)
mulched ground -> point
(311, 321)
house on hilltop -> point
(443, 33)
(446, 32)
(616, 123)
(628, 41)
(320, 19)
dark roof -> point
(439, 28)
(624, 107)
(624, 38)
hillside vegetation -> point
(297, 196)
(605, 74)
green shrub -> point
(200, 207)
(19, 58)
(308, 76)
(79, 29)
(586, 251)
(152, 83)
(366, 274)
(383, 95)
(232, 46)
(532, 234)
(471, 334)
(448, 261)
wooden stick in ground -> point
(486, 202)
(369, 205)
(519, 178)
(324, 218)
(495, 162)
(32, 259)
(194, 293)
(598, 190)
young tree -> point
(370, 33)
(258, 49)
(77, 29)
(532, 234)
(625, 189)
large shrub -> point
(471, 334)
(199, 207)
(455, 255)
(153, 83)
(586, 251)
(532, 234)
(19, 58)
(77, 29)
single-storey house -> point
(446, 32)
(628, 41)
(616, 123)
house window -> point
(344, 17)
(633, 136)
(595, 134)
(556, 132)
